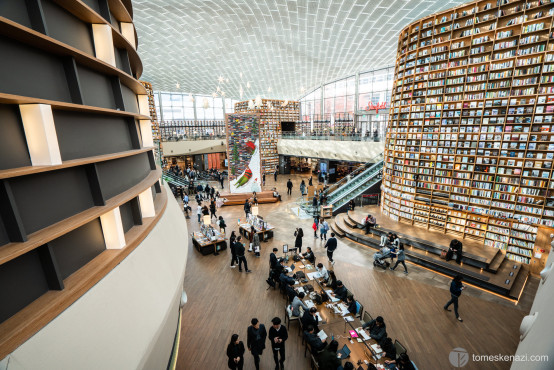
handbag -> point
(443, 255)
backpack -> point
(271, 282)
(300, 275)
(309, 288)
(318, 299)
(296, 258)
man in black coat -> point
(341, 292)
(246, 207)
(316, 343)
(255, 341)
(310, 318)
(239, 250)
(455, 247)
(289, 187)
(273, 262)
(331, 246)
(377, 329)
(277, 336)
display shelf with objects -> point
(272, 113)
(469, 141)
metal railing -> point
(336, 137)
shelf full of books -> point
(470, 139)
(272, 113)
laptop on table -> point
(344, 352)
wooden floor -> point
(221, 301)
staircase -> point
(174, 179)
(339, 194)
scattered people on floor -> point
(275, 176)
(377, 329)
(298, 302)
(256, 242)
(222, 224)
(278, 335)
(255, 340)
(309, 255)
(323, 273)
(328, 358)
(235, 352)
(340, 291)
(314, 203)
(315, 225)
(233, 248)
(316, 343)
(289, 187)
(455, 247)
(323, 228)
(353, 305)
(331, 246)
(302, 188)
(299, 234)
(310, 182)
(401, 258)
(310, 318)
(456, 288)
(212, 210)
(205, 211)
(199, 212)
(240, 251)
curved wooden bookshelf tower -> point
(470, 139)
(79, 188)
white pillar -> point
(103, 43)
(40, 133)
(112, 228)
(146, 132)
(147, 203)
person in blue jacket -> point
(456, 288)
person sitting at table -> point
(328, 359)
(389, 350)
(331, 281)
(297, 303)
(291, 292)
(347, 366)
(309, 255)
(353, 305)
(402, 363)
(323, 273)
(316, 343)
(377, 329)
(285, 279)
(340, 292)
(310, 318)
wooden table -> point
(267, 233)
(206, 246)
(334, 324)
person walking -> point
(302, 188)
(275, 175)
(456, 288)
(401, 258)
(222, 224)
(263, 179)
(232, 247)
(315, 226)
(240, 250)
(323, 228)
(235, 352)
(331, 246)
(221, 179)
(256, 242)
(255, 340)
(277, 336)
(299, 234)
(247, 207)
(289, 187)
(314, 203)
(212, 209)
(199, 212)
(310, 182)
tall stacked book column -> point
(272, 113)
(470, 139)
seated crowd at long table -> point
(336, 331)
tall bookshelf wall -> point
(272, 113)
(152, 109)
(470, 139)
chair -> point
(399, 348)
(359, 314)
(315, 365)
(290, 317)
(366, 317)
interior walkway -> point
(221, 301)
